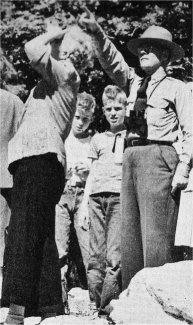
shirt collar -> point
(158, 75)
(111, 134)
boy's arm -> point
(110, 58)
(83, 214)
(92, 158)
(87, 189)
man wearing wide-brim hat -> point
(153, 173)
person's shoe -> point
(107, 317)
(110, 321)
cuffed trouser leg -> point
(32, 272)
(149, 211)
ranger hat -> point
(160, 36)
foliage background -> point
(23, 20)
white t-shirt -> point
(76, 152)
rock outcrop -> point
(160, 295)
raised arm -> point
(38, 46)
(46, 60)
(109, 57)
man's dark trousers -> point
(31, 275)
(149, 211)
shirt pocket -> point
(157, 112)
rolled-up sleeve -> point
(93, 150)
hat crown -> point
(157, 32)
(160, 36)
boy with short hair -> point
(104, 276)
(67, 210)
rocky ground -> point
(81, 312)
(160, 295)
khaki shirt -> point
(169, 103)
(49, 110)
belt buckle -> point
(135, 142)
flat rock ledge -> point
(160, 295)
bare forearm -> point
(38, 45)
(87, 190)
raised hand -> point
(88, 21)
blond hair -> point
(114, 93)
(85, 103)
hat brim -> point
(176, 51)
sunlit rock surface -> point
(162, 295)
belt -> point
(145, 142)
(79, 184)
(76, 184)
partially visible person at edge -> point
(71, 239)
(31, 280)
(184, 228)
(153, 174)
(104, 183)
(10, 110)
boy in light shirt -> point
(106, 149)
(67, 210)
